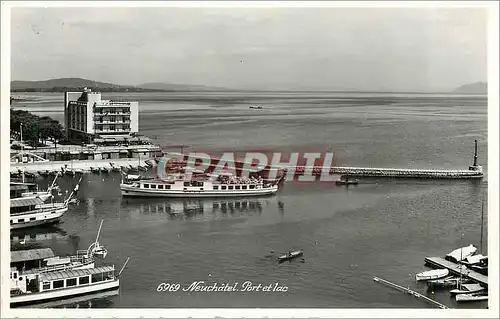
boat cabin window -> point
(146, 185)
(70, 282)
(223, 187)
(153, 186)
(167, 186)
(15, 275)
(58, 284)
(109, 275)
(20, 220)
(160, 186)
(11, 221)
(237, 187)
(83, 280)
(32, 218)
(46, 285)
(230, 187)
(97, 277)
(186, 184)
(252, 186)
(244, 187)
(216, 188)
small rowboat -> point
(472, 297)
(448, 282)
(432, 274)
(467, 289)
(290, 255)
(347, 182)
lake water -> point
(381, 227)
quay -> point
(441, 263)
(410, 292)
(84, 165)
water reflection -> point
(193, 208)
(37, 235)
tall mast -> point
(475, 152)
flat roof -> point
(30, 254)
(71, 273)
(25, 201)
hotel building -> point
(87, 116)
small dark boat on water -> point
(448, 282)
(346, 181)
(290, 255)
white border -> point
(493, 160)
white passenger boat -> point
(32, 261)
(53, 285)
(222, 185)
(33, 211)
(432, 274)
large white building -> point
(87, 116)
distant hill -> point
(67, 84)
(178, 87)
(473, 88)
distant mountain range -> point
(77, 84)
(67, 84)
(473, 88)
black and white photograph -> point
(266, 158)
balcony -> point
(113, 122)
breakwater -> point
(408, 173)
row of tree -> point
(36, 129)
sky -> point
(367, 49)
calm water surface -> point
(381, 227)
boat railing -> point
(53, 268)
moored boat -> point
(467, 289)
(49, 286)
(33, 211)
(481, 296)
(291, 255)
(222, 185)
(432, 274)
(462, 253)
(447, 282)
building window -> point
(70, 282)
(186, 184)
(58, 284)
(83, 280)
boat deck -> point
(438, 262)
